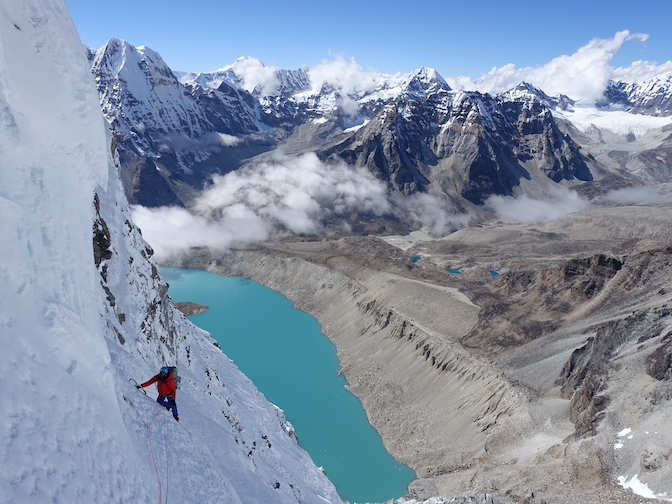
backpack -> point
(172, 371)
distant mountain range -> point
(652, 97)
(175, 131)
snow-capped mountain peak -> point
(425, 81)
(135, 84)
(525, 90)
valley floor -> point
(521, 373)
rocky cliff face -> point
(585, 376)
(466, 145)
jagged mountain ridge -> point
(288, 82)
(464, 144)
(651, 97)
(412, 131)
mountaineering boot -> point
(168, 408)
(176, 417)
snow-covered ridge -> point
(249, 74)
(526, 91)
(83, 309)
(651, 97)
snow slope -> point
(83, 309)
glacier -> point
(83, 309)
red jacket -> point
(165, 386)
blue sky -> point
(454, 37)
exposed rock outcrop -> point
(188, 308)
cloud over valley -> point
(297, 194)
(559, 202)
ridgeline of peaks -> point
(414, 132)
(466, 145)
(651, 97)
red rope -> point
(149, 441)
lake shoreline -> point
(282, 350)
(390, 374)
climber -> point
(167, 390)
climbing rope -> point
(149, 441)
(165, 449)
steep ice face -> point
(53, 149)
(83, 309)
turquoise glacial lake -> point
(284, 353)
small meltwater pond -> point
(294, 365)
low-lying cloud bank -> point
(305, 196)
(636, 196)
(559, 202)
(299, 194)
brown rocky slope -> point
(518, 382)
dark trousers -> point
(167, 402)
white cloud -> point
(207, 142)
(249, 204)
(168, 229)
(255, 74)
(297, 193)
(434, 213)
(345, 75)
(583, 75)
(228, 140)
(639, 71)
(636, 195)
(560, 202)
